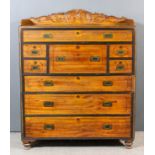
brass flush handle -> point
(48, 83)
(107, 126)
(35, 51)
(60, 58)
(107, 104)
(108, 35)
(48, 104)
(120, 67)
(49, 127)
(120, 52)
(35, 67)
(47, 35)
(107, 83)
(95, 58)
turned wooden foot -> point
(127, 143)
(27, 144)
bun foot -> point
(27, 144)
(127, 143)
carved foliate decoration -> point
(78, 17)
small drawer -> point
(77, 127)
(34, 51)
(77, 104)
(121, 50)
(77, 83)
(76, 35)
(120, 66)
(35, 66)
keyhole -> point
(78, 78)
(77, 96)
(77, 33)
(34, 46)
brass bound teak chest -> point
(77, 77)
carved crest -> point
(80, 17)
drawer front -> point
(78, 58)
(121, 50)
(77, 127)
(77, 103)
(35, 66)
(120, 66)
(77, 83)
(34, 51)
(76, 35)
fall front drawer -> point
(76, 35)
(78, 58)
(77, 127)
(77, 83)
(77, 103)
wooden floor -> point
(77, 148)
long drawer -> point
(76, 35)
(77, 83)
(77, 127)
(77, 103)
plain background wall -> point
(31, 8)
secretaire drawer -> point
(77, 83)
(77, 58)
(77, 103)
(76, 35)
(77, 127)
(34, 50)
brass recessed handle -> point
(35, 51)
(107, 83)
(49, 127)
(107, 127)
(120, 66)
(107, 104)
(95, 58)
(48, 104)
(108, 35)
(60, 58)
(35, 67)
(48, 83)
(120, 52)
(47, 35)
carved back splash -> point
(78, 17)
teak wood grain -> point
(78, 58)
(34, 51)
(77, 83)
(120, 50)
(77, 103)
(77, 127)
(35, 66)
(76, 35)
(120, 66)
(78, 77)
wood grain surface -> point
(76, 35)
(34, 51)
(77, 83)
(77, 103)
(77, 127)
(121, 50)
(35, 66)
(78, 58)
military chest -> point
(77, 77)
